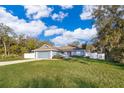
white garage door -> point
(45, 55)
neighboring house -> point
(47, 52)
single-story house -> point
(47, 52)
(71, 50)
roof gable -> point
(46, 47)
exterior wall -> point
(67, 53)
(95, 55)
(54, 53)
(87, 54)
(51, 54)
(74, 53)
(77, 53)
(36, 54)
(101, 56)
(29, 55)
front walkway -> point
(17, 61)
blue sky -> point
(58, 24)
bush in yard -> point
(117, 54)
(58, 56)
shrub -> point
(117, 55)
(58, 56)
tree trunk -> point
(107, 56)
(5, 49)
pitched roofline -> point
(53, 48)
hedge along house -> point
(47, 52)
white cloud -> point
(77, 35)
(62, 40)
(53, 30)
(32, 28)
(66, 6)
(36, 27)
(37, 11)
(60, 16)
(87, 12)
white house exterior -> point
(95, 55)
(47, 52)
(72, 51)
(29, 55)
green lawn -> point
(76, 72)
(10, 59)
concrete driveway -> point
(17, 61)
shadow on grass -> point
(87, 60)
(38, 83)
(84, 84)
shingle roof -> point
(68, 48)
(46, 47)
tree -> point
(90, 48)
(6, 34)
(110, 27)
(46, 42)
(32, 43)
(84, 45)
(10, 43)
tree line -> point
(13, 44)
(109, 21)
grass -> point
(74, 73)
(10, 58)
